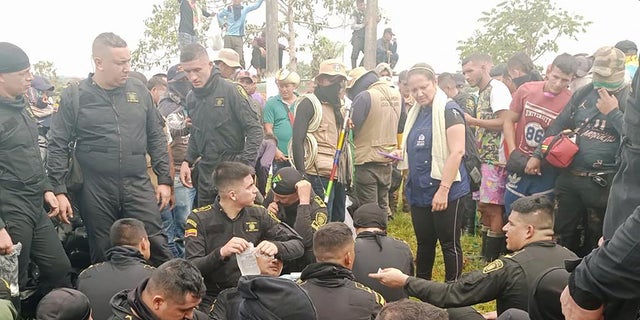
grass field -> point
(401, 227)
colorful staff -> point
(336, 159)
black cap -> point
(64, 304)
(274, 299)
(370, 215)
(174, 73)
(284, 181)
(12, 58)
(388, 30)
(41, 84)
(627, 46)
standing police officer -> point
(224, 125)
(116, 124)
(23, 184)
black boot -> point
(483, 247)
(496, 246)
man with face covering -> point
(319, 117)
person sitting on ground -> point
(375, 249)
(330, 282)
(406, 309)
(216, 233)
(228, 301)
(269, 298)
(126, 266)
(64, 304)
(292, 200)
(507, 279)
(172, 292)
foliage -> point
(45, 69)
(321, 49)
(532, 26)
(159, 44)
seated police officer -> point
(215, 233)
(507, 279)
(293, 201)
(125, 267)
(330, 282)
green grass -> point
(401, 227)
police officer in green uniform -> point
(214, 234)
(23, 184)
(507, 279)
(292, 200)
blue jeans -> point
(173, 221)
(336, 205)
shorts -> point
(492, 186)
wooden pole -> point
(370, 34)
(272, 38)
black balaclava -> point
(329, 94)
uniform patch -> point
(219, 102)
(493, 266)
(252, 226)
(319, 201)
(319, 221)
(274, 216)
(132, 97)
(190, 233)
(242, 92)
(192, 223)
(201, 209)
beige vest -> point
(327, 137)
(378, 132)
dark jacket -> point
(376, 250)
(306, 220)
(171, 107)
(224, 127)
(186, 18)
(115, 129)
(128, 305)
(507, 279)
(21, 170)
(208, 229)
(227, 305)
(125, 268)
(337, 295)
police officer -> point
(292, 200)
(330, 282)
(116, 124)
(23, 185)
(224, 125)
(507, 279)
(217, 232)
(126, 264)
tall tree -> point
(45, 69)
(321, 49)
(532, 26)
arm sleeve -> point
(248, 117)
(268, 154)
(500, 96)
(288, 242)
(309, 219)
(304, 113)
(219, 307)
(58, 148)
(453, 116)
(403, 117)
(616, 117)
(254, 6)
(268, 115)
(360, 109)
(474, 287)
(193, 149)
(611, 271)
(157, 144)
(195, 247)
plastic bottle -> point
(247, 261)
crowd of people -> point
(176, 179)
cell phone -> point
(390, 155)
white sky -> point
(62, 31)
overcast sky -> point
(62, 31)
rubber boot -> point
(483, 246)
(496, 245)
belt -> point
(589, 174)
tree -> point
(321, 49)
(532, 26)
(45, 69)
(159, 45)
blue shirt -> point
(236, 27)
(421, 187)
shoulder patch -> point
(132, 97)
(193, 232)
(319, 201)
(319, 221)
(192, 223)
(378, 297)
(202, 209)
(493, 266)
(274, 216)
(242, 91)
(146, 266)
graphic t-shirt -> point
(493, 98)
(537, 112)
